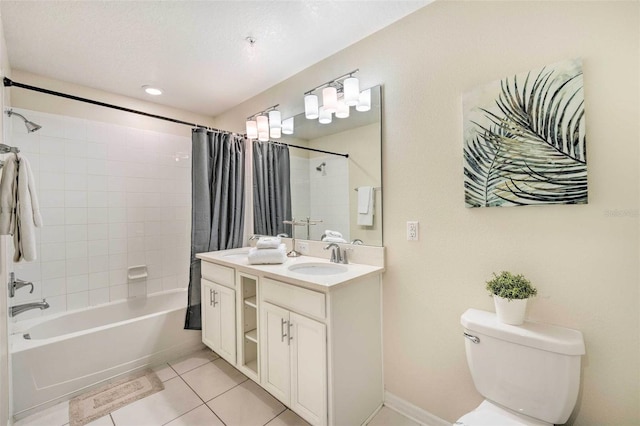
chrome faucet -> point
(357, 242)
(336, 257)
(18, 309)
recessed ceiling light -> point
(152, 90)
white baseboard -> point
(412, 411)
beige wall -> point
(584, 259)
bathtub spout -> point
(18, 309)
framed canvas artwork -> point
(524, 139)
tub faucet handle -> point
(16, 284)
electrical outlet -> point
(412, 231)
(302, 247)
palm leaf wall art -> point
(524, 139)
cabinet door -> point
(308, 369)
(225, 303)
(275, 366)
(210, 316)
(218, 304)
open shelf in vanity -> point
(248, 348)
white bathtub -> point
(69, 352)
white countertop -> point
(236, 258)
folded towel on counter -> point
(258, 256)
(268, 242)
(334, 240)
(332, 234)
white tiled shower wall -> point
(329, 195)
(300, 207)
(111, 197)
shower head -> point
(30, 125)
(320, 168)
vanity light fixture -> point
(338, 95)
(275, 124)
(263, 127)
(351, 91)
(343, 109)
(287, 126)
(364, 102)
(330, 99)
(268, 124)
(154, 91)
(325, 116)
(311, 110)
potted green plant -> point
(510, 294)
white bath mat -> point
(102, 401)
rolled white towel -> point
(334, 240)
(332, 234)
(268, 242)
(258, 256)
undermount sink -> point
(318, 268)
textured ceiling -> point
(194, 50)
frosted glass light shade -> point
(275, 120)
(263, 124)
(287, 126)
(252, 129)
(343, 109)
(311, 107)
(351, 91)
(263, 136)
(275, 132)
(325, 116)
(364, 102)
(330, 99)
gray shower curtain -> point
(217, 215)
(271, 188)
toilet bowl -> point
(529, 374)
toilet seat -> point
(488, 414)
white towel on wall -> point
(27, 215)
(364, 195)
(365, 205)
(8, 194)
(258, 256)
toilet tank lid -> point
(546, 337)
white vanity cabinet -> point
(294, 361)
(313, 342)
(218, 300)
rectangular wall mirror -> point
(326, 186)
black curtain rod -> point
(9, 83)
(311, 149)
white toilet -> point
(528, 374)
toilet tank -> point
(532, 369)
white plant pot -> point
(510, 311)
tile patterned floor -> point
(201, 389)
